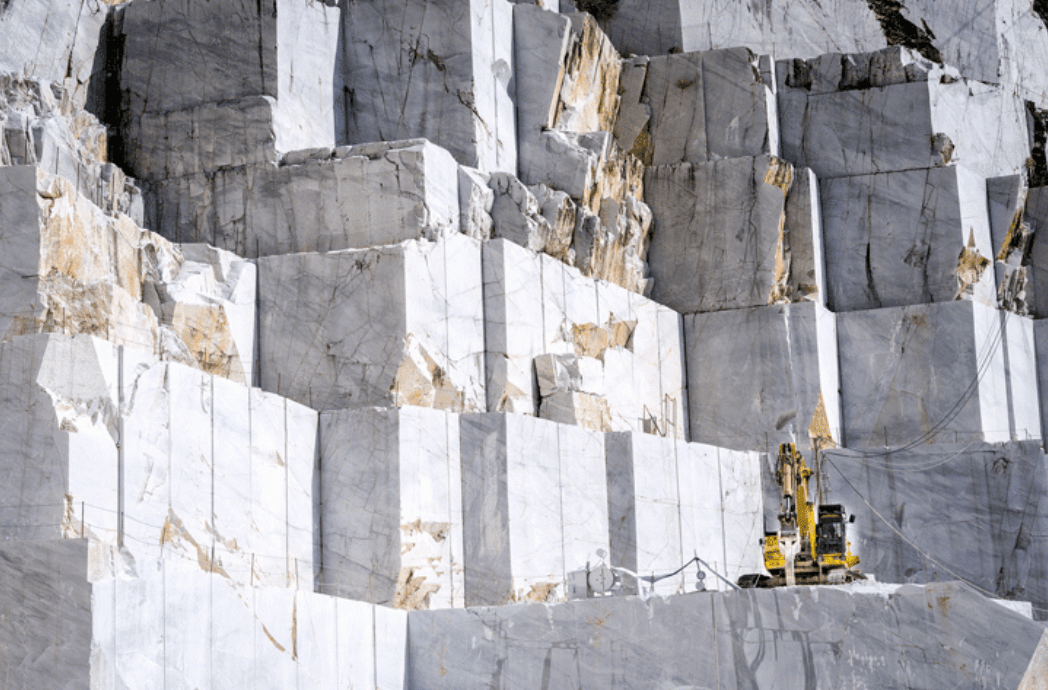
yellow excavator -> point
(811, 545)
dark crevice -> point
(1036, 165)
(1040, 8)
(900, 31)
(602, 10)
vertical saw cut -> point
(811, 545)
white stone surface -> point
(41, 123)
(756, 638)
(297, 60)
(697, 107)
(368, 195)
(919, 118)
(567, 79)
(535, 306)
(414, 69)
(391, 507)
(894, 239)
(238, 501)
(669, 501)
(396, 325)
(728, 236)
(756, 377)
(535, 506)
(936, 373)
(111, 626)
(57, 41)
(103, 275)
(994, 538)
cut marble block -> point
(732, 233)
(396, 325)
(837, 123)
(994, 538)
(476, 201)
(56, 41)
(179, 55)
(567, 78)
(41, 124)
(536, 306)
(443, 72)
(391, 507)
(916, 236)
(367, 195)
(98, 274)
(534, 504)
(669, 501)
(697, 107)
(1019, 221)
(937, 373)
(58, 436)
(237, 502)
(943, 635)
(762, 376)
(87, 618)
(639, 27)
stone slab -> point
(411, 69)
(395, 325)
(297, 61)
(697, 107)
(723, 239)
(994, 538)
(750, 639)
(669, 501)
(366, 196)
(391, 507)
(936, 373)
(862, 130)
(894, 239)
(535, 306)
(756, 377)
(535, 506)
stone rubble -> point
(416, 320)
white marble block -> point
(669, 501)
(186, 77)
(567, 79)
(350, 198)
(444, 71)
(937, 373)
(941, 631)
(917, 236)
(56, 41)
(907, 113)
(1019, 223)
(396, 325)
(391, 507)
(237, 501)
(535, 307)
(88, 617)
(762, 376)
(103, 275)
(534, 504)
(995, 538)
(697, 107)
(732, 233)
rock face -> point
(450, 344)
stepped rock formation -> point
(410, 344)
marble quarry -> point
(408, 344)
